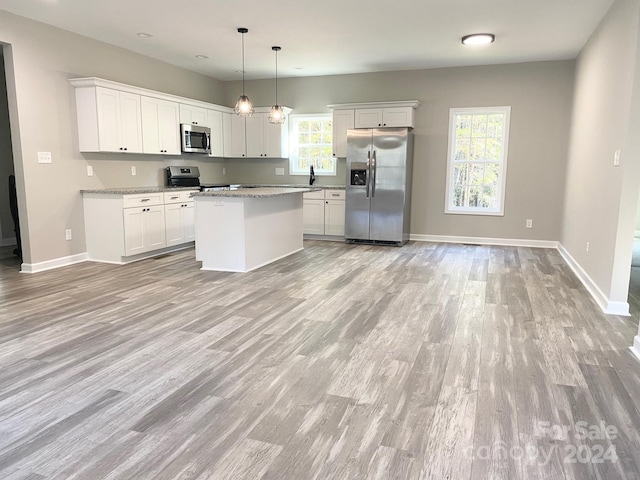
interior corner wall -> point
(42, 111)
(540, 95)
(6, 161)
(595, 192)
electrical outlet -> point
(224, 171)
(616, 158)
(587, 249)
(133, 169)
(44, 157)
(529, 223)
(89, 171)
(279, 171)
(67, 234)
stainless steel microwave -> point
(195, 139)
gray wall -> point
(539, 94)
(601, 200)
(40, 61)
(6, 161)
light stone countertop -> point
(256, 192)
(134, 190)
(296, 185)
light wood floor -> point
(340, 362)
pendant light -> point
(276, 115)
(244, 107)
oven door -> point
(195, 139)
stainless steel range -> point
(190, 177)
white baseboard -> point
(607, 306)
(506, 242)
(8, 242)
(55, 263)
(635, 348)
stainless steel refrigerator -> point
(378, 203)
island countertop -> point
(257, 192)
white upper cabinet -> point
(235, 140)
(384, 117)
(255, 136)
(108, 120)
(214, 122)
(160, 126)
(343, 120)
(193, 115)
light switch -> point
(44, 157)
(89, 171)
(133, 169)
(616, 158)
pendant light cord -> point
(276, 77)
(243, 64)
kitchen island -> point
(241, 230)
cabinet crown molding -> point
(400, 103)
(100, 82)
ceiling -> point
(328, 37)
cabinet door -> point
(130, 122)
(334, 217)
(313, 216)
(155, 227)
(234, 136)
(255, 135)
(134, 238)
(368, 117)
(192, 115)
(214, 122)
(189, 222)
(397, 117)
(108, 106)
(173, 222)
(276, 137)
(150, 125)
(169, 127)
(343, 120)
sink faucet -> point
(312, 175)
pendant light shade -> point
(276, 115)
(243, 107)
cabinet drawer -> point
(335, 194)
(319, 195)
(179, 197)
(142, 200)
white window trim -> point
(292, 157)
(449, 207)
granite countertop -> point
(256, 192)
(294, 185)
(249, 186)
(134, 190)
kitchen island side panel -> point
(220, 235)
(274, 228)
(239, 234)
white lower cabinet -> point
(144, 229)
(180, 219)
(324, 212)
(118, 227)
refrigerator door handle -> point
(374, 167)
(368, 172)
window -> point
(477, 160)
(311, 145)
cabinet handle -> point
(384, 124)
(379, 124)
(121, 148)
(174, 198)
(145, 199)
(195, 123)
(125, 148)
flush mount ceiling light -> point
(144, 35)
(478, 39)
(243, 107)
(202, 57)
(276, 115)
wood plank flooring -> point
(428, 361)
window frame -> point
(450, 208)
(293, 157)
